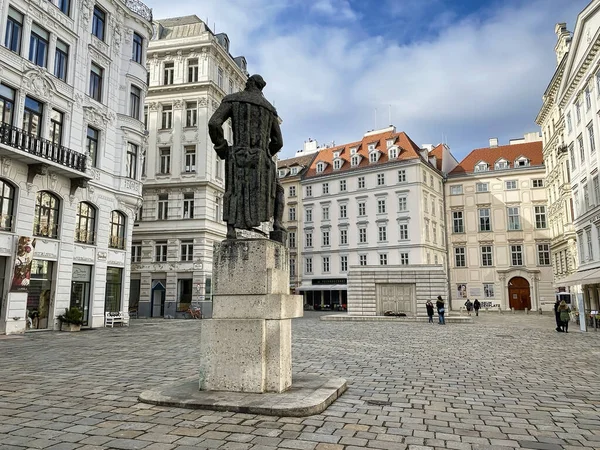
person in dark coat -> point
(441, 310)
(429, 307)
(557, 316)
(469, 306)
(476, 306)
(564, 315)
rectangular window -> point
(136, 252)
(292, 239)
(220, 77)
(516, 254)
(402, 176)
(596, 189)
(404, 259)
(167, 117)
(343, 237)
(486, 256)
(309, 191)
(510, 185)
(325, 213)
(382, 234)
(586, 197)
(14, 31)
(343, 212)
(98, 23)
(137, 48)
(160, 252)
(362, 260)
(402, 204)
(460, 259)
(292, 214)
(165, 161)
(169, 73)
(543, 254)
(190, 159)
(425, 202)
(380, 179)
(326, 242)
(361, 182)
(485, 223)
(308, 267)
(482, 187)
(403, 231)
(308, 215)
(343, 263)
(588, 99)
(38, 45)
(193, 71)
(434, 232)
(381, 208)
(292, 191)
(132, 156)
(343, 186)
(188, 205)
(456, 190)
(590, 129)
(134, 106)
(538, 183)
(187, 250)
(32, 116)
(572, 154)
(362, 235)
(383, 260)
(163, 206)
(191, 114)
(514, 218)
(93, 137)
(569, 123)
(588, 235)
(325, 264)
(56, 126)
(308, 240)
(292, 267)
(540, 217)
(96, 77)
(581, 149)
(578, 111)
(61, 60)
(325, 188)
(488, 290)
(457, 222)
(362, 209)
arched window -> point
(117, 230)
(7, 202)
(85, 227)
(46, 218)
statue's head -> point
(255, 82)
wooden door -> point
(519, 293)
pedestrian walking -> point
(564, 315)
(429, 307)
(469, 306)
(476, 306)
(441, 310)
(557, 316)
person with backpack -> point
(429, 307)
(476, 307)
(441, 310)
(469, 306)
(565, 315)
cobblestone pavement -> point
(506, 381)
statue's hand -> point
(222, 150)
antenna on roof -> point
(390, 114)
(375, 119)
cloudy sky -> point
(461, 71)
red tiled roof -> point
(408, 150)
(530, 150)
(438, 152)
(303, 161)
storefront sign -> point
(82, 273)
(22, 270)
(324, 281)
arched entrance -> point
(519, 294)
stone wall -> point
(423, 283)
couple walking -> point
(473, 306)
(441, 310)
(562, 315)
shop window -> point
(117, 230)
(46, 215)
(112, 295)
(85, 226)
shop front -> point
(114, 290)
(80, 290)
(39, 293)
(325, 294)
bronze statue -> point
(252, 192)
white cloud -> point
(483, 76)
(335, 9)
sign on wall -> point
(461, 289)
(22, 269)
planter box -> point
(69, 327)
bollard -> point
(486, 309)
(540, 311)
(526, 311)
(513, 310)
(500, 310)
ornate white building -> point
(190, 70)
(71, 141)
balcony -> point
(140, 9)
(34, 150)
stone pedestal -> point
(247, 345)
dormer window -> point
(389, 143)
(294, 171)
(372, 147)
(353, 150)
(355, 161)
(393, 153)
(282, 173)
(522, 162)
(501, 164)
(336, 154)
(337, 164)
(482, 167)
(373, 157)
(320, 167)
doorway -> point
(395, 297)
(80, 290)
(519, 294)
(157, 305)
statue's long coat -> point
(251, 173)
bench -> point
(112, 318)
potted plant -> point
(72, 318)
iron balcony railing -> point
(140, 9)
(17, 138)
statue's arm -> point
(215, 129)
(276, 142)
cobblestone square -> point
(506, 381)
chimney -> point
(493, 142)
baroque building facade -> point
(375, 202)
(499, 238)
(558, 175)
(71, 144)
(190, 70)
